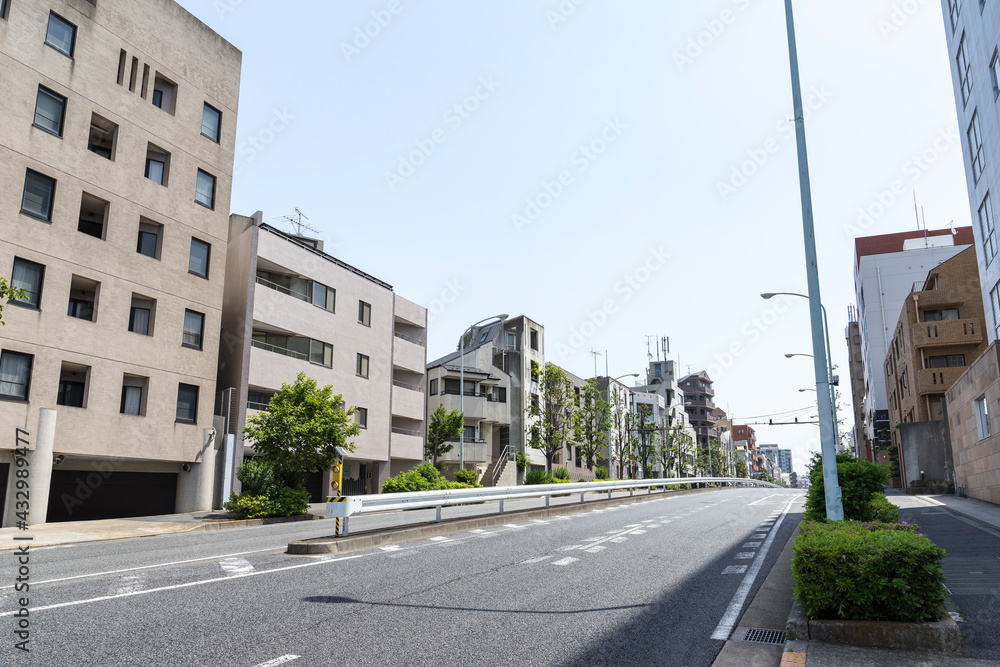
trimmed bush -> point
(467, 476)
(267, 491)
(424, 477)
(858, 481)
(247, 506)
(867, 572)
(562, 472)
(601, 473)
(256, 475)
(537, 477)
(882, 510)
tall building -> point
(885, 268)
(856, 367)
(699, 402)
(290, 308)
(782, 458)
(117, 135)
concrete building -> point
(117, 135)
(782, 458)
(856, 368)
(699, 402)
(885, 268)
(662, 378)
(973, 426)
(619, 398)
(289, 308)
(745, 442)
(941, 328)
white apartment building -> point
(117, 135)
(289, 307)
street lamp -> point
(461, 384)
(610, 383)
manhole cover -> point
(758, 636)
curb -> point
(394, 535)
(247, 523)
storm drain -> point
(758, 636)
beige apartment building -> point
(289, 307)
(117, 135)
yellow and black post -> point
(336, 485)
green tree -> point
(301, 429)
(554, 414)
(7, 292)
(667, 451)
(621, 427)
(741, 468)
(646, 439)
(443, 427)
(591, 422)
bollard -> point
(439, 514)
(546, 501)
(501, 507)
(581, 496)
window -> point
(511, 340)
(941, 315)
(470, 387)
(3, 9)
(50, 111)
(987, 229)
(534, 340)
(365, 313)
(61, 35)
(164, 93)
(434, 387)
(946, 361)
(954, 9)
(888, 369)
(200, 254)
(995, 72)
(211, 122)
(150, 234)
(187, 403)
(93, 216)
(534, 371)
(321, 353)
(362, 365)
(102, 137)
(83, 298)
(976, 147)
(204, 192)
(482, 339)
(982, 417)
(361, 417)
(73, 385)
(134, 395)
(324, 297)
(194, 328)
(995, 304)
(500, 394)
(534, 401)
(469, 433)
(902, 379)
(141, 315)
(157, 164)
(964, 72)
(39, 191)
(15, 375)
(28, 276)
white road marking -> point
(763, 499)
(633, 525)
(595, 549)
(477, 530)
(638, 532)
(751, 545)
(535, 560)
(439, 538)
(570, 547)
(188, 584)
(234, 566)
(653, 525)
(728, 621)
(759, 536)
(512, 525)
(565, 561)
(129, 584)
(619, 540)
(539, 521)
(391, 547)
(279, 661)
(735, 569)
(744, 555)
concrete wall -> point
(926, 449)
(977, 461)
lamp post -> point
(610, 384)
(829, 366)
(461, 384)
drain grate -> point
(758, 636)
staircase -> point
(494, 475)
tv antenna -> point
(595, 353)
(649, 355)
(297, 223)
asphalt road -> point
(641, 584)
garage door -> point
(81, 495)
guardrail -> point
(385, 502)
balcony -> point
(475, 452)
(406, 444)
(938, 380)
(407, 403)
(947, 332)
(408, 356)
(279, 350)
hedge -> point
(424, 477)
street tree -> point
(741, 468)
(553, 414)
(666, 451)
(621, 432)
(590, 423)
(8, 292)
(646, 439)
(443, 427)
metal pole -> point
(834, 504)
(833, 390)
(461, 399)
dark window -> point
(365, 313)
(205, 189)
(158, 98)
(324, 297)
(200, 255)
(15, 375)
(187, 403)
(451, 386)
(93, 215)
(194, 328)
(941, 315)
(81, 308)
(534, 339)
(362, 417)
(101, 139)
(138, 320)
(50, 111)
(39, 191)
(434, 387)
(29, 277)
(946, 361)
(362, 365)
(3, 9)
(977, 153)
(211, 122)
(131, 400)
(500, 394)
(70, 394)
(156, 170)
(534, 371)
(61, 35)
(147, 244)
(321, 353)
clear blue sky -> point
(591, 139)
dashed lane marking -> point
(565, 561)
(234, 566)
(279, 661)
(535, 560)
(745, 555)
(595, 549)
(619, 540)
(751, 545)
(735, 569)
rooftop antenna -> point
(297, 224)
(594, 352)
(649, 355)
(665, 342)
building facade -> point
(856, 367)
(291, 308)
(117, 136)
(699, 402)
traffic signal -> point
(337, 478)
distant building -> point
(699, 402)
(782, 458)
(856, 366)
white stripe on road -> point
(565, 561)
(735, 569)
(763, 499)
(234, 566)
(535, 560)
(187, 585)
(728, 622)
(279, 661)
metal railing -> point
(415, 341)
(279, 350)
(284, 290)
(406, 431)
(500, 464)
(385, 502)
(407, 385)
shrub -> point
(286, 501)
(248, 506)
(562, 472)
(867, 572)
(522, 461)
(601, 473)
(537, 477)
(256, 475)
(882, 510)
(267, 491)
(467, 476)
(858, 481)
(424, 477)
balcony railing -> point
(284, 290)
(407, 385)
(415, 341)
(406, 431)
(253, 405)
(280, 350)
(472, 394)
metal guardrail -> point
(385, 502)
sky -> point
(612, 170)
